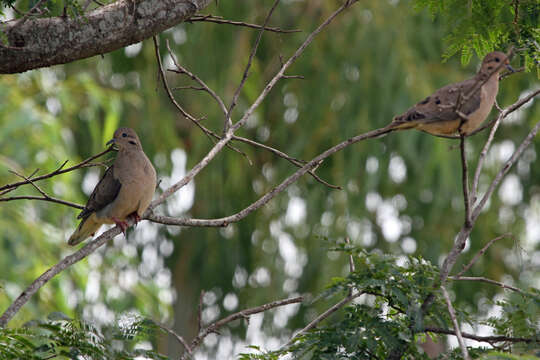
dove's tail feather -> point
(86, 228)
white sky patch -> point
(511, 190)
(408, 245)
(90, 181)
(230, 302)
(183, 199)
(133, 50)
(397, 169)
(532, 224)
(296, 211)
(179, 35)
(388, 220)
(91, 292)
(372, 164)
(373, 200)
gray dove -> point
(437, 114)
(125, 190)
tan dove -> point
(437, 114)
(125, 190)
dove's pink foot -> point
(122, 224)
(136, 218)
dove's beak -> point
(112, 141)
(510, 68)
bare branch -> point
(224, 221)
(465, 231)
(486, 280)
(48, 198)
(465, 182)
(175, 335)
(456, 324)
(69, 260)
(60, 170)
(43, 196)
(480, 253)
(323, 316)
(488, 339)
(214, 327)
(504, 170)
(47, 41)
(228, 120)
(205, 87)
(209, 133)
(281, 154)
(220, 20)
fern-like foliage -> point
(60, 337)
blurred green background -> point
(401, 193)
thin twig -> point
(214, 327)
(228, 120)
(176, 335)
(199, 312)
(488, 339)
(220, 20)
(495, 123)
(209, 133)
(48, 198)
(224, 221)
(44, 195)
(296, 162)
(465, 182)
(456, 324)
(323, 316)
(486, 280)
(27, 14)
(194, 77)
(60, 170)
(480, 253)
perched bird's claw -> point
(121, 224)
(135, 216)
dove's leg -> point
(122, 224)
(135, 216)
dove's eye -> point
(497, 59)
(124, 135)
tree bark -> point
(41, 42)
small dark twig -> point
(175, 335)
(480, 253)
(488, 339)
(456, 324)
(199, 312)
(465, 182)
(486, 280)
(60, 170)
(220, 20)
(214, 327)
(228, 121)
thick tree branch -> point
(41, 42)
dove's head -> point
(125, 139)
(495, 62)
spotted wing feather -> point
(441, 105)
